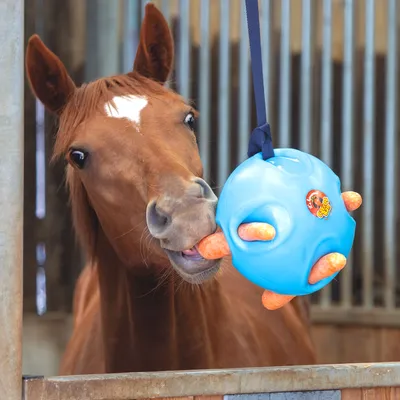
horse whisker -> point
(129, 231)
(163, 279)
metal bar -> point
(204, 90)
(305, 102)
(11, 195)
(326, 109)
(102, 39)
(142, 7)
(166, 10)
(131, 34)
(184, 49)
(224, 94)
(244, 87)
(265, 27)
(40, 211)
(391, 143)
(214, 382)
(369, 153)
(285, 79)
(347, 136)
(326, 87)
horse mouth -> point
(191, 266)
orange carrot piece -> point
(256, 231)
(352, 200)
(326, 266)
(215, 246)
(273, 301)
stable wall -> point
(44, 340)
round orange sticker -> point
(318, 204)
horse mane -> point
(86, 101)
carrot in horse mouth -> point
(214, 247)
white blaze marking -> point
(128, 107)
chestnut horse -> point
(146, 300)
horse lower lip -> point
(193, 267)
(193, 257)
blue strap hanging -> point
(260, 139)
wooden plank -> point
(377, 317)
(326, 339)
(175, 398)
(361, 343)
(306, 395)
(341, 344)
(208, 397)
(191, 398)
(371, 394)
(390, 344)
(214, 382)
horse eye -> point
(190, 121)
(78, 157)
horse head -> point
(133, 166)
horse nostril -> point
(157, 220)
(206, 191)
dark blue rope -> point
(260, 139)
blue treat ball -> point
(300, 196)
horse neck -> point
(148, 325)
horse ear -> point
(47, 76)
(155, 53)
